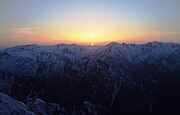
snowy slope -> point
(34, 59)
(137, 54)
(10, 106)
(27, 59)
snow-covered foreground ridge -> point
(32, 59)
(10, 106)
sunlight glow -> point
(92, 44)
(84, 21)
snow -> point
(11, 106)
(39, 106)
(25, 59)
(137, 54)
(110, 58)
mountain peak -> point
(113, 44)
(155, 42)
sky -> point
(88, 21)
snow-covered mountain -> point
(114, 78)
(34, 59)
(26, 60)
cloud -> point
(18, 36)
(15, 36)
(24, 33)
(167, 32)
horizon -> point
(94, 45)
(97, 22)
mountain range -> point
(128, 79)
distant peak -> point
(113, 44)
(31, 45)
(154, 42)
(61, 44)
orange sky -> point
(88, 21)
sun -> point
(92, 44)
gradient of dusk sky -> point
(87, 21)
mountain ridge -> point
(114, 78)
